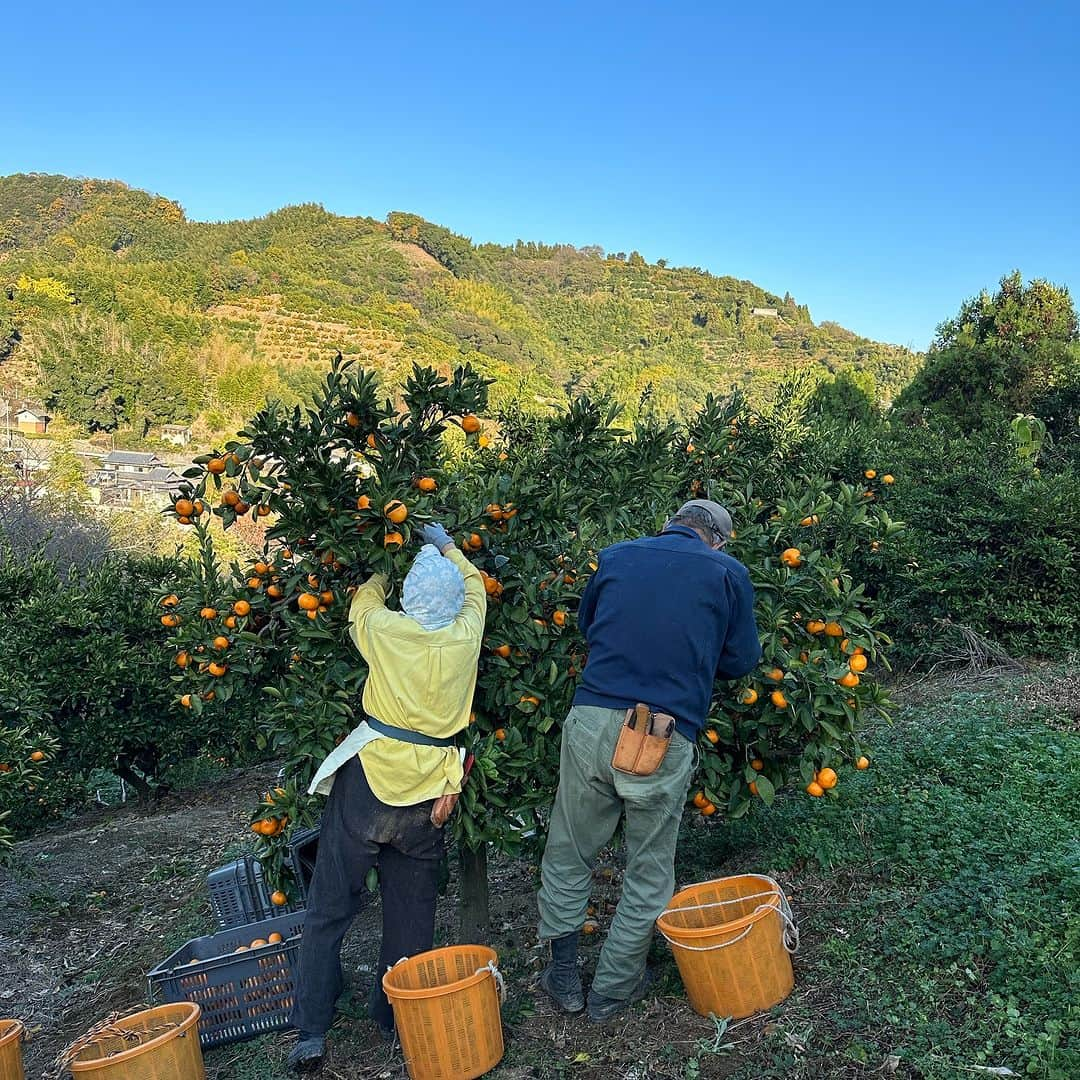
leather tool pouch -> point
(644, 739)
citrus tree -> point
(531, 500)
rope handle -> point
(789, 935)
(500, 982)
(497, 975)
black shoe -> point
(603, 1008)
(561, 979)
(307, 1055)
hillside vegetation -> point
(121, 313)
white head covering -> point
(434, 591)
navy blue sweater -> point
(665, 616)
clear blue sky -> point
(881, 166)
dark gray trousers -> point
(359, 832)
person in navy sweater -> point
(664, 617)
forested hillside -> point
(121, 314)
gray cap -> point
(718, 518)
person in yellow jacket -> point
(393, 782)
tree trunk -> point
(475, 918)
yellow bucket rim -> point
(766, 907)
(407, 994)
(10, 1030)
(159, 1012)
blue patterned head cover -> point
(434, 590)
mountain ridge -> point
(134, 315)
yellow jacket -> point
(418, 679)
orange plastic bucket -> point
(155, 1044)
(732, 939)
(11, 1033)
(446, 1009)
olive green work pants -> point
(591, 798)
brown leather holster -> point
(644, 739)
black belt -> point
(405, 735)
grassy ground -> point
(938, 897)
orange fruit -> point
(470, 424)
(858, 662)
(208, 696)
(307, 601)
(753, 788)
(393, 540)
(258, 943)
(275, 592)
(396, 511)
(475, 541)
(186, 701)
(791, 557)
(826, 778)
(815, 789)
(870, 473)
(708, 809)
(757, 764)
(849, 680)
(182, 659)
(37, 755)
(170, 620)
(426, 484)
(241, 508)
(500, 734)
(278, 899)
(815, 626)
(834, 629)
(184, 507)
(363, 502)
(748, 696)
(888, 478)
(326, 598)
(216, 466)
(352, 419)
(217, 669)
(261, 568)
(559, 617)
(502, 650)
(241, 948)
(230, 496)
(230, 622)
(776, 674)
(274, 938)
(262, 510)
(254, 583)
(208, 613)
(712, 736)
(700, 800)
(312, 614)
(778, 699)
(221, 642)
(530, 698)
(491, 586)
(494, 511)
(812, 519)
(863, 763)
(169, 601)
(241, 607)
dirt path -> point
(91, 906)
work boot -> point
(561, 979)
(308, 1053)
(603, 1008)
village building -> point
(24, 417)
(177, 434)
(130, 476)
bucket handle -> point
(497, 975)
(500, 982)
(789, 936)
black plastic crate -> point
(303, 850)
(242, 994)
(239, 894)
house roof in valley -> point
(131, 457)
